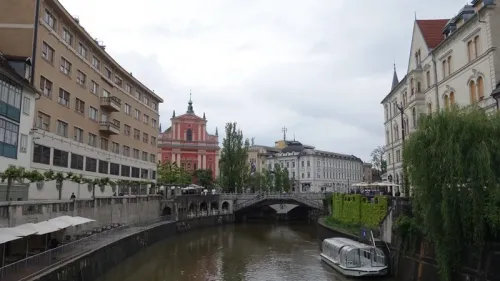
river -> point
(240, 252)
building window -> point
(135, 172)
(145, 138)
(105, 93)
(153, 141)
(144, 174)
(153, 123)
(115, 147)
(114, 169)
(90, 164)
(47, 53)
(76, 161)
(67, 36)
(10, 99)
(480, 88)
(65, 66)
(152, 158)
(92, 140)
(128, 88)
(145, 119)
(78, 134)
(189, 135)
(446, 100)
(82, 50)
(476, 46)
(154, 105)
(137, 114)
(81, 78)
(46, 86)
(49, 19)
(62, 128)
(60, 158)
(23, 143)
(26, 105)
(94, 88)
(125, 171)
(107, 72)
(96, 63)
(137, 134)
(136, 153)
(414, 117)
(118, 81)
(43, 121)
(452, 98)
(444, 67)
(9, 133)
(41, 154)
(63, 97)
(146, 100)
(80, 106)
(449, 65)
(470, 50)
(93, 113)
(103, 167)
(126, 151)
(144, 156)
(126, 130)
(137, 95)
(472, 92)
(127, 108)
(412, 85)
(104, 144)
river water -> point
(241, 252)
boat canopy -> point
(351, 254)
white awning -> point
(60, 222)
(45, 227)
(70, 221)
(25, 229)
(5, 236)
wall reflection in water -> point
(231, 253)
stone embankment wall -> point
(96, 263)
(104, 211)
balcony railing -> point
(111, 103)
(109, 127)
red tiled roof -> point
(432, 30)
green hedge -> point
(357, 209)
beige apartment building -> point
(93, 117)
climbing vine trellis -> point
(452, 163)
(20, 174)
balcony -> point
(111, 104)
(109, 128)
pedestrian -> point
(73, 196)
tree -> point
(267, 184)
(286, 180)
(451, 162)
(204, 177)
(256, 182)
(170, 173)
(234, 168)
(378, 160)
(278, 178)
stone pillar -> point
(178, 130)
(174, 130)
(199, 133)
(199, 161)
(204, 157)
(172, 160)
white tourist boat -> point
(353, 258)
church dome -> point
(293, 146)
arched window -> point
(387, 137)
(407, 127)
(452, 98)
(414, 117)
(396, 132)
(480, 88)
(429, 108)
(446, 100)
(476, 46)
(472, 92)
(412, 84)
(189, 135)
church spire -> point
(216, 131)
(395, 80)
(190, 105)
(173, 114)
(204, 118)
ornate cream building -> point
(451, 61)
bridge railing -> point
(304, 199)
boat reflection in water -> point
(352, 258)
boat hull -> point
(355, 272)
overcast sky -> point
(318, 67)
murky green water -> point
(260, 252)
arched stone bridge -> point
(229, 203)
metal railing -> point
(28, 267)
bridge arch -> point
(166, 211)
(203, 206)
(225, 206)
(192, 207)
